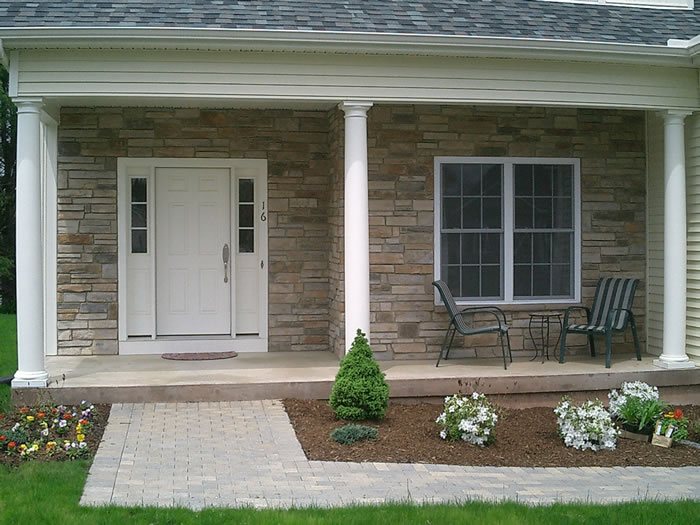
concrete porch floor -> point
(149, 378)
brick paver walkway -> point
(246, 454)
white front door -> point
(193, 226)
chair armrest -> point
(612, 312)
(494, 310)
(570, 309)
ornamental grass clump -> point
(349, 434)
(360, 390)
(586, 427)
(469, 418)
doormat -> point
(199, 356)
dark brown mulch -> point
(92, 438)
(524, 438)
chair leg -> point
(637, 347)
(608, 348)
(562, 345)
(591, 344)
(445, 345)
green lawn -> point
(8, 355)
(49, 493)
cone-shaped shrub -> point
(359, 391)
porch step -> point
(310, 375)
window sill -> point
(525, 307)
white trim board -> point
(49, 211)
(146, 167)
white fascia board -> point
(692, 46)
(339, 42)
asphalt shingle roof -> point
(502, 18)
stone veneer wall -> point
(403, 141)
(335, 224)
(296, 146)
(305, 192)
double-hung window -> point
(508, 229)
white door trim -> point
(147, 166)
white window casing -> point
(508, 226)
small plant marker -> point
(661, 441)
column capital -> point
(675, 116)
(28, 104)
(355, 108)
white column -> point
(30, 282)
(675, 245)
(356, 221)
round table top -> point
(545, 314)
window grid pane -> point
(246, 216)
(139, 215)
(472, 230)
(543, 247)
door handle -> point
(226, 255)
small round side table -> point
(541, 323)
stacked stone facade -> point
(403, 142)
(336, 285)
(304, 150)
(295, 143)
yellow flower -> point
(50, 445)
(30, 418)
(80, 437)
(23, 447)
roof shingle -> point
(537, 19)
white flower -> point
(45, 432)
(62, 423)
(588, 426)
(82, 445)
(472, 418)
(635, 389)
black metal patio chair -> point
(611, 312)
(463, 321)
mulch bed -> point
(92, 438)
(524, 438)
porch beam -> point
(675, 244)
(30, 275)
(356, 222)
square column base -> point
(29, 383)
(679, 365)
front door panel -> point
(193, 223)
